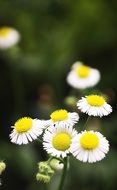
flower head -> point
(94, 105)
(57, 140)
(89, 146)
(82, 76)
(63, 117)
(8, 37)
(26, 130)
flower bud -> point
(70, 101)
(56, 164)
(45, 168)
(43, 178)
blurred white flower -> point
(82, 76)
(2, 167)
(8, 37)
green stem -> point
(63, 175)
(39, 140)
(86, 122)
(61, 160)
(49, 160)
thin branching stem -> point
(39, 140)
(60, 187)
(85, 125)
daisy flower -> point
(94, 105)
(57, 140)
(82, 76)
(26, 130)
(63, 117)
(8, 37)
(89, 146)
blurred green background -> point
(55, 34)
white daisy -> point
(89, 146)
(26, 130)
(63, 117)
(8, 37)
(94, 105)
(82, 76)
(57, 140)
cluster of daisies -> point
(59, 136)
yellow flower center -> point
(95, 100)
(61, 141)
(89, 140)
(59, 115)
(4, 31)
(23, 125)
(83, 71)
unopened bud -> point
(70, 100)
(44, 167)
(56, 164)
(43, 178)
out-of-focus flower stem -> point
(60, 187)
(85, 125)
